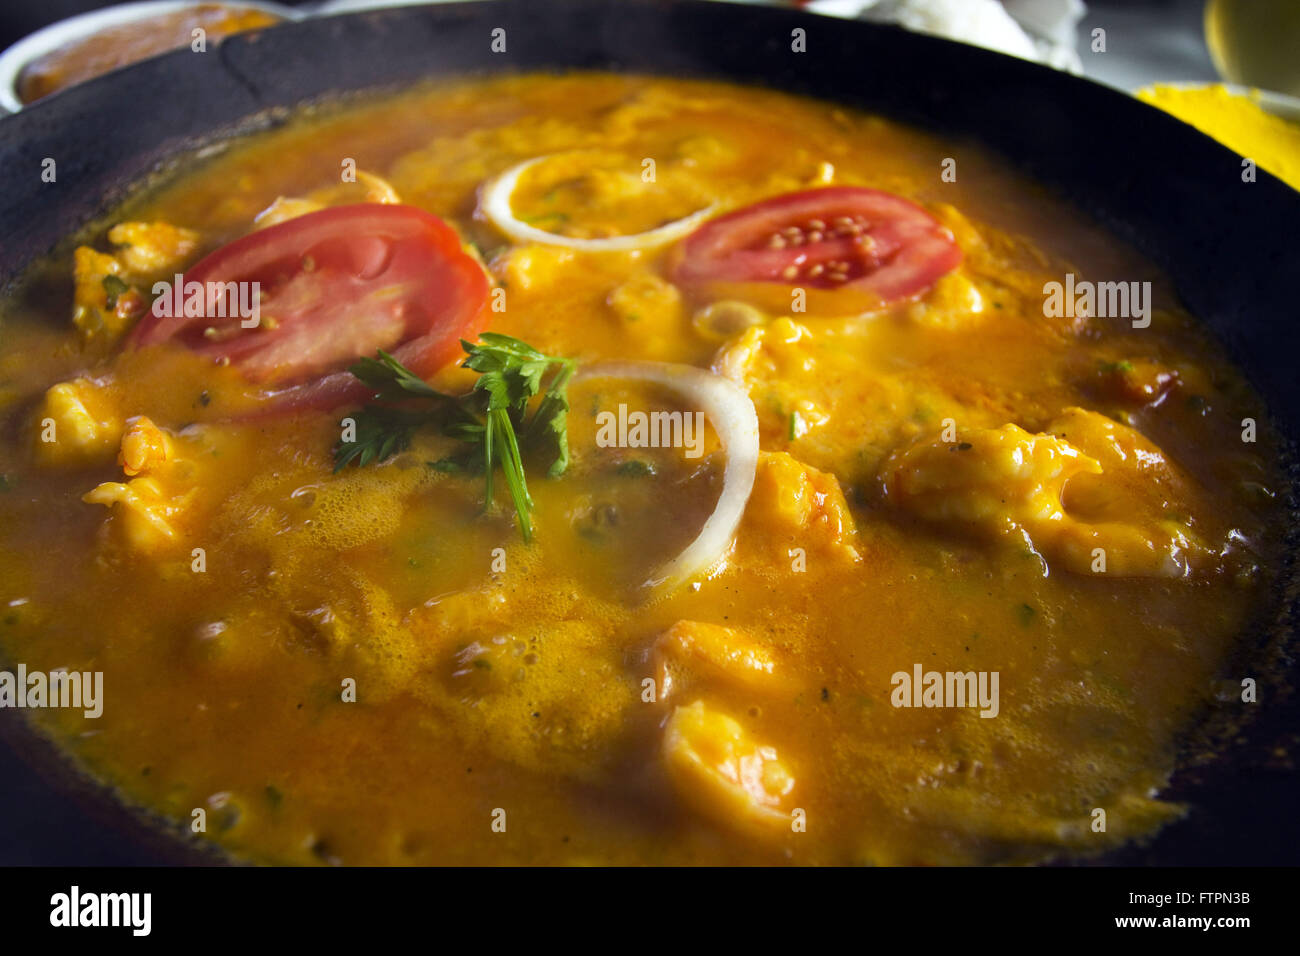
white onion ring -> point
(495, 203)
(732, 413)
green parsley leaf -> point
(381, 432)
(390, 379)
(113, 287)
(493, 417)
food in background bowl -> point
(81, 48)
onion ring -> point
(732, 413)
(495, 204)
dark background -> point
(1165, 54)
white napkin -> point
(1040, 30)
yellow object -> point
(1236, 121)
(720, 770)
(1253, 42)
(76, 424)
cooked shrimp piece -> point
(691, 653)
(77, 423)
(724, 774)
(1091, 494)
(367, 188)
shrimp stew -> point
(593, 468)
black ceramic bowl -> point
(1176, 195)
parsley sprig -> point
(493, 418)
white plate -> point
(59, 34)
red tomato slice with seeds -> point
(868, 247)
(335, 285)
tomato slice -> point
(869, 248)
(334, 285)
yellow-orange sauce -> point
(502, 712)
